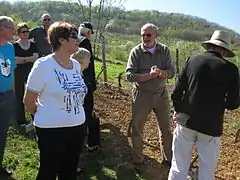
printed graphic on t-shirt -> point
(75, 90)
(5, 66)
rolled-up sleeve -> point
(168, 63)
(132, 66)
(36, 78)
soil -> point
(113, 106)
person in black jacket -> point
(25, 53)
(208, 84)
(39, 35)
(85, 32)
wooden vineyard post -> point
(177, 62)
(237, 136)
(104, 66)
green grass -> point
(113, 71)
(22, 157)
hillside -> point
(173, 25)
(121, 28)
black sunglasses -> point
(25, 31)
(73, 35)
(46, 19)
(148, 35)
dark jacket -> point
(89, 73)
(206, 86)
(40, 37)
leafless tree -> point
(105, 11)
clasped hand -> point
(156, 72)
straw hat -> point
(222, 39)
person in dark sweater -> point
(207, 85)
(148, 68)
(85, 31)
(25, 53)
(39, 35)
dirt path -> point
(114, 108)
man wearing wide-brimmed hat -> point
(207, 85)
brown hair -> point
(59, 30)
(20, 26)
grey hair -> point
(83, 30)
(46, 14)
(150, 25)
(5, 20)
(81, 55)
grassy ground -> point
(22, 157)
(113, 71)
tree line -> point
(110, 16)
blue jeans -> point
(6, 112)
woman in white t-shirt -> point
(55, 95)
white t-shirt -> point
(61, 93)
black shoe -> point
(166, 163)
(4, 172)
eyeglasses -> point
(46, 19)
(25, 31)
(73, 35)
(148, 35)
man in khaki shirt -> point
(149, 65)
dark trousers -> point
(6, 112)
(92, 123)
(59, 152)
(21, 76)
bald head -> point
(46, 20)
(149, 35)
(46, 15)
(150, 26)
